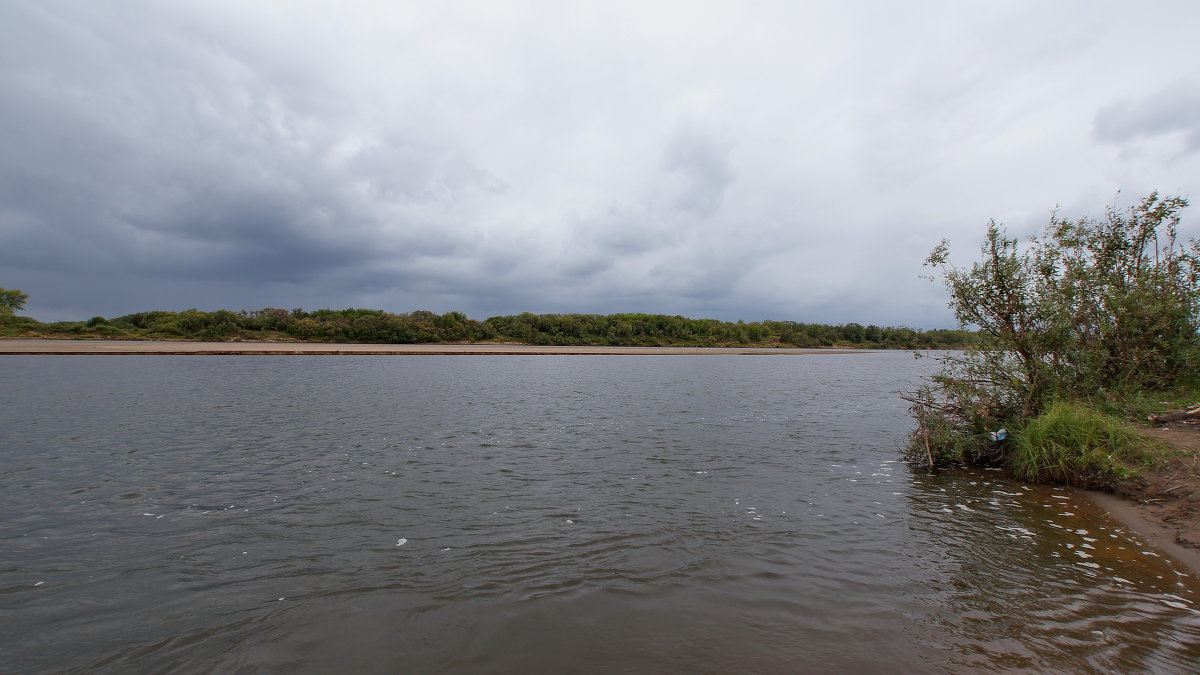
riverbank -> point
(91, 347)
(1165, 508)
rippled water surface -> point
(538, 514)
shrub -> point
(1092, 309)
(11, 300)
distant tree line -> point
(660, 329)
(377, 326)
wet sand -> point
(1164, 509)
(344, 349)
(1147, 524)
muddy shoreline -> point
(1164, 509)
(1148, 525)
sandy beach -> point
(344, 349)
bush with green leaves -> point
(11, 300)
(1093, 309)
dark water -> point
(538, 514)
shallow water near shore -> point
(539, 514)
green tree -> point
(11, 300)
(1092, 308)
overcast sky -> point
(749, 160)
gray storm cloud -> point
(704, 172)
(729, 161)
(1172, 110)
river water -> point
(502, 514)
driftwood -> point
(1191, 414)
(944, 407)
(925, 432)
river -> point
(501, 514)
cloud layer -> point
(740, 160)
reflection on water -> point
(1045, 580)
(505, 514)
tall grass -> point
(1073, 444)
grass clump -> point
(1073, 444)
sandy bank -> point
(1165, 510)
(316, 348)
(1145, 523)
